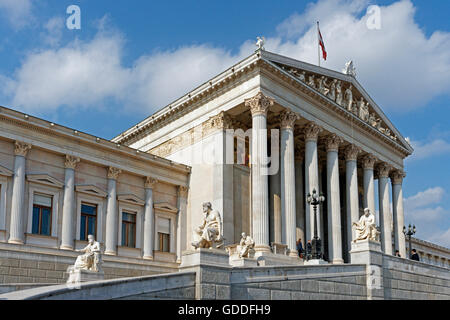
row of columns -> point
(69, 206)
(258, 106)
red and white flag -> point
(321, 43)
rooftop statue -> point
(365, 228)
(349, 69)
(209, 233)
(260, 41)
(245, 245)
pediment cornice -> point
(166, 207)
(92, 190)
(45, 179)
(5, 172)
(130, 198)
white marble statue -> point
(245, 245)
(209, 233)
(260, 41)
(339, 96)
(302, 76)
(349, 69)
(91, 258)
(311, 82)
(322, 85)
(348, 96)
(363, 110)
(365, 228)
(332, 91)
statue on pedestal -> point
(209, 234)
(91, 259)
(245, 245)
(365, 228)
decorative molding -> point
(71, 162)
(130, 198)
(397, 176)
(288, 119)
(311, 131)
(92, 190)
(351, 152)
(150, 182)
(165, 207)
(113, 173)
(5, 172)
(220, 121)
(45, 179)
(383, 170)
(259, 104)
(182, 191)
(21, 148)
(369, 161)
(332, 142)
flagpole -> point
(318, 43)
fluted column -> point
(300, 194)
(16, 231)
(181, 220)
(111, 212)
(288, 212)
(67, 236)
(397, 205)
(369, 189)
(384, 205)
(149, 218)
(334, 206)
(351, 153)
(311, 132)
(259, 105)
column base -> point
(147, 257)
(68, 248)
(16, 241)
(260, 248)
(337, 261)
(293, 254)
(110, 253)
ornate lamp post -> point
(314, 200)
(409, 233)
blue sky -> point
(121, 65)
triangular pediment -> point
(130, 198)
(45, 179)
(5, 172)
(164, 206)
(92, 190)
(325, 82)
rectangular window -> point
(128, 229)
(42, 214)
(164, 234)
(88, 222)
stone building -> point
(254, 140)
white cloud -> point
(400, 67)
(17, 12)
(442, 238)
(423, 150)
(53, 31)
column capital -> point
(21, 148)
(351, 152)
(397, 177)
(383, 170)
(332, 142)
(311, 131)
(259, 104)
(113, 173)
(182, 191)
(150, 182)
(71, 162)
(288, 119)
(299, 153)
(219, 121)
(369, 161)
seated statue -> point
(209, 233)
(245, 245)
(365, 228)
(91, 259)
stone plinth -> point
(213, 257)
(314, 262)
(77, 276)
(235, 261)
(366, 252)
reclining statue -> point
(365, 228)
(209, 233)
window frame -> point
(40, 215)
(3, 196)
(131, 208)
(90, 199)
(34, 188)
(87, 215)
(165, 214)
(127, 223)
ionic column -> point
(300, 194)
(334, 206)
(288, 213)
(16, 231)
(385, 216)
(369, 189)
(259, 105)
(149, 218)
(351, 153)
(181, 220)
(111, 212)
(397, 205)
(311, 132)
(67, 236)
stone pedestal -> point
(235, 261)
(201, 256)
(314, 262)
(77, 276)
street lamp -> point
(409, 233)
(314, 200)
